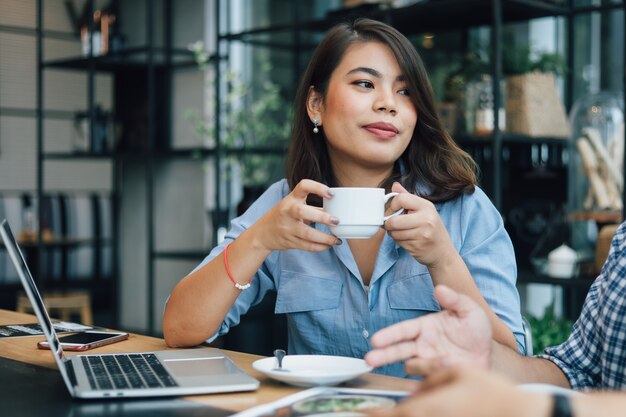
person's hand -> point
(287, 224)
(420, 230)
(459, 334)
(469, 392)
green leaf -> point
(549, 330)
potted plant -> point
(254, 118)
(530, 97)
(458, 109)
(548, 330)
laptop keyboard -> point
(123, 371)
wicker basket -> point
(533, 106)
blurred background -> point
(132, 131)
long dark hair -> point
(431, 158)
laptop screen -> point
(35, 298)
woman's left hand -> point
(419, 230)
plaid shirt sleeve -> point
(594, 356)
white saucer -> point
(548, 389)
(312, 370)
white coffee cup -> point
(360, 210)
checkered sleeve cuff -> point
(577, 379)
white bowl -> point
(312, 370)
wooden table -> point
(23, 363)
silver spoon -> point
(280, 354)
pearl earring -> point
(316, 123)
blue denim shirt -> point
(329, 310)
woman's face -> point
(367, 115)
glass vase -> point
(596, 178)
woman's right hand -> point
(287, 224)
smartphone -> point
(86, 340)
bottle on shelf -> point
(484, 117)
(28, 233)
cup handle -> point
(387, 198)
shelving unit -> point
(139, 73)
(108, 284)
(41, 248)
(440, 16)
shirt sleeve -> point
(262, 281)
(594, 355)
(487, 250)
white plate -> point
(547, 389)
(312, 370)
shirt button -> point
(365, 334)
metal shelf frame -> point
(146, 58)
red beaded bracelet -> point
(237, 285)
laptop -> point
(137, 374)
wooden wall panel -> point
(18, 71)
(18, 154)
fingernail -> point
(334, 220)
(330, 192)
(338, 242)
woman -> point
(364, 117)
